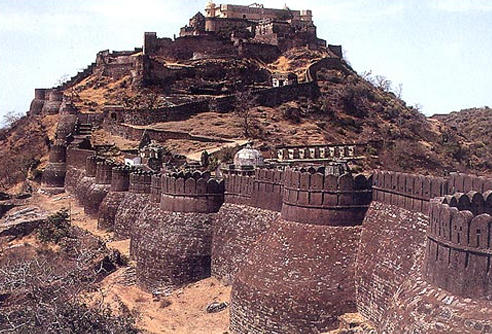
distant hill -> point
(474, 126)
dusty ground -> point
(182, 311)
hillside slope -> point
(474, 125)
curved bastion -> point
(52, 105)
(178, 249)
(53, 179)
(98, 190)
(120, 183)
(299, 276)
(253, 200)
(408, 278)
(132, 204)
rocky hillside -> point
(349, 108)
(473, 126)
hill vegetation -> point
(473, 127)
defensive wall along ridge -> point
(405, 280)
(346, 242)
(186, 226)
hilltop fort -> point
(304, 228)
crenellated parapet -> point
(408, 191)
(191, 192)
(239, 189)
(104, 171)
(463, 183)
(140, 182)
(120, 178)
(155, 188)
(267, 192)
(311, 196)
(459, 247)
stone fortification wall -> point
(391, 247)
(267, 97)
(459, 249)
(254, 202)
(463, 183)
(178, 248)
(149, 216)
(191, 192)
(77, 157)
(236, 230)
(263, 190)
(66, 125)
(120, 183)
(319, 290)
(312, 197)
(76, 181)
(408, 191)
(52, 105)
(133, 203)
(53, 179)
(96, 118)
(99, 189)
(296, 279)
(175, 251)
(38, 102)
(268, 189)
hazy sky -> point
(438, 49)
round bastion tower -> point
(299, 276)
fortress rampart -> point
(274, 215)
(120, 178)
(459, 250)
(52, 105)
(120, 184)
(187, 192)
(312, 197)
(408, 191)
(53, 179)
(140, 182)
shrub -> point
(55, 227)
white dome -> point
(248, 156)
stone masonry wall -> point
(176, 251)
(315, 198)
(236, 230)
(391, 238)
(459, 249)
(297, 279)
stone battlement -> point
(120, 178)
(459, 250)
(140, 182)
(191, 192)
(104, 170)
(310, 196)
(409, 191)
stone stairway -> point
(82, 131)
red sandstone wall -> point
(392, 238)
(175, 251)
(236, 230)
(297, 279)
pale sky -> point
(439, 50)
